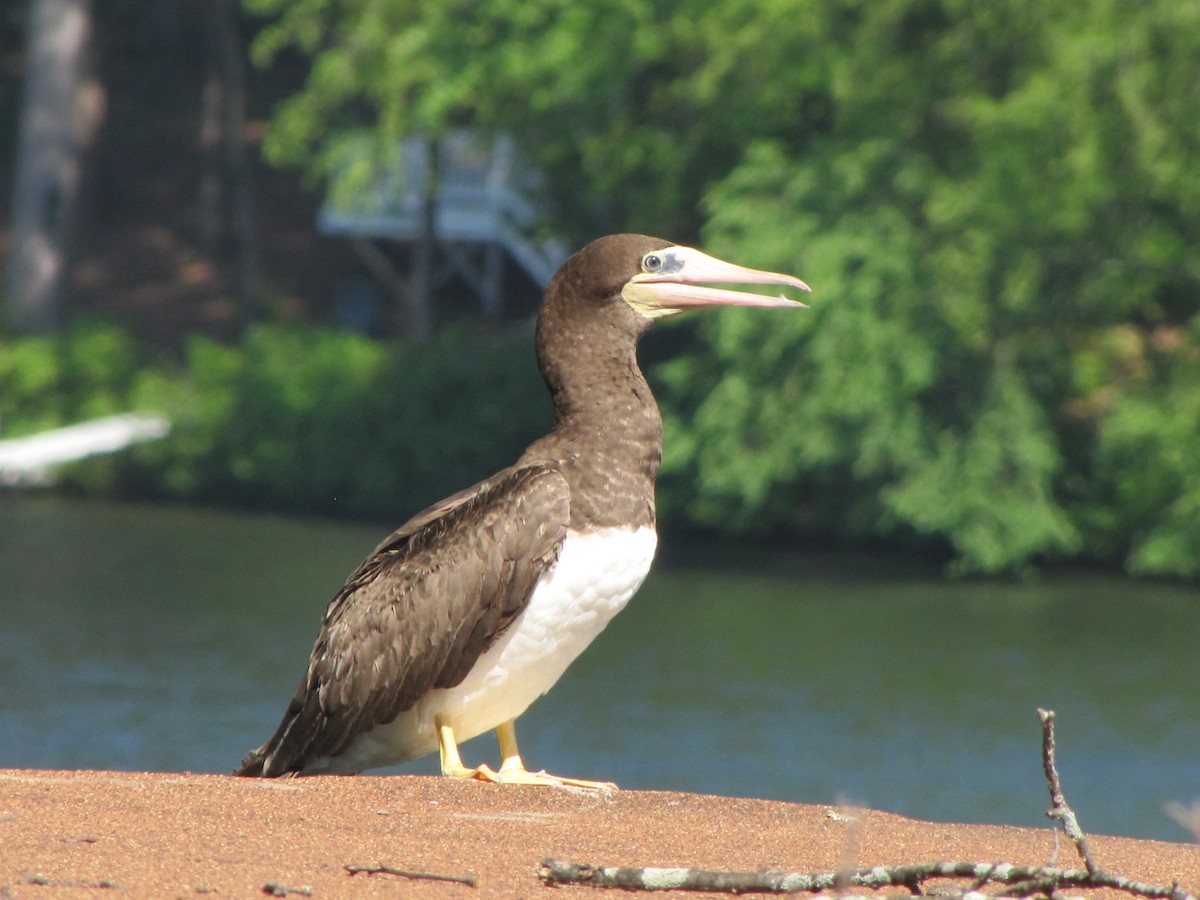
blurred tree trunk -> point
(61, 110)
(226, 168)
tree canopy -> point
(996, 204)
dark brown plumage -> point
(415, 619)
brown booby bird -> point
(472, 609)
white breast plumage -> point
(596, 574)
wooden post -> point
(420, 315)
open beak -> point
(681, 282)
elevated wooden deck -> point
(462, 201)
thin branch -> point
(1058, 803)
(1029, 879)
(381, 869)
(1020, 881)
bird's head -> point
(605, 297)
(655, 278)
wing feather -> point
(420, 611)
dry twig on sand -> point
(1059, 809)
(1018, 881)
(1022, 881)
(381, 869)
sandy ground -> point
(116, 834)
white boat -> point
(31, 460)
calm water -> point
(170, 639)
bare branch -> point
(1058, 803)
(1019, 881)
(1026, 879)
(381, 869)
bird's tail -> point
(254, 765)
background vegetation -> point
(998, 206)
(297, 419)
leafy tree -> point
(302, 419)
(1001, 232)
(996, 204)
(631, 107)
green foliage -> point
(1000, 225)
(613, 100)
(298, 419)
(46, 382)
(990, 489)
(997, 205)
(1148, 459)
(304, 419)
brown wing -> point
(420, 611)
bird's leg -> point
(510, 754)
(452, 764)
(513, 771)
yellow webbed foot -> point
(512, 770)
(452, 764)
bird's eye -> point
(652, 262)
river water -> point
(170, 639)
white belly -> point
(594, 578)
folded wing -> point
(420, 611)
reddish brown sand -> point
(114, 834)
